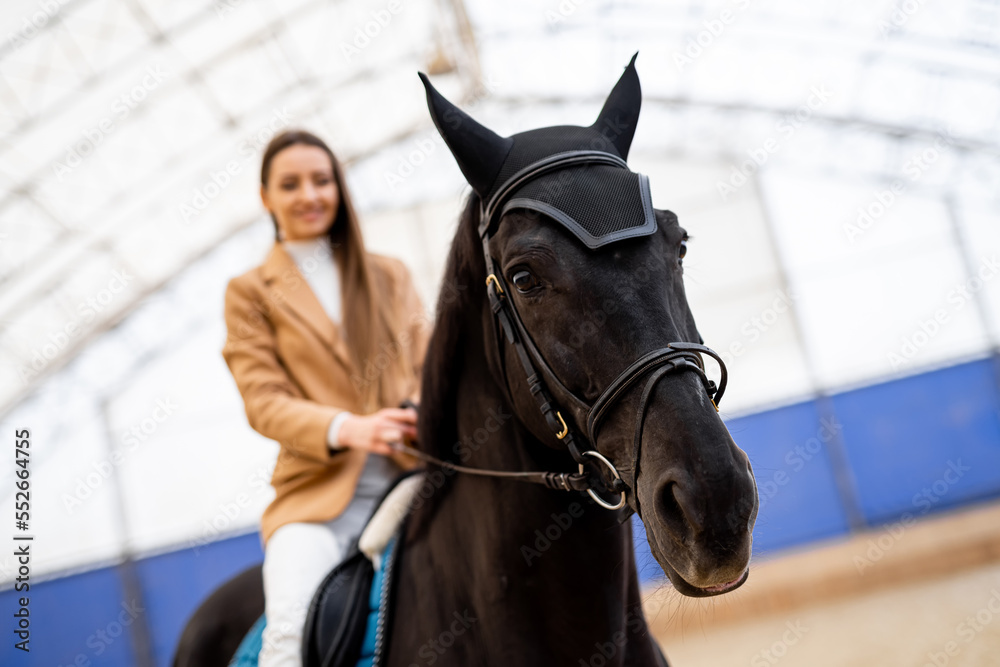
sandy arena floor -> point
(952, 620)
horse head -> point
(593, 338)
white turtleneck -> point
(314, 257)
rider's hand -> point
(374, 432)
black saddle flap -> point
(338, 614)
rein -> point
(554, 480)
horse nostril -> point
(671, 512)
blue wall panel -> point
(175, 583)
(646, 566)
(799, 501)
(82, 620)
(910, 441)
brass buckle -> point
(565, 429)
(492, 278)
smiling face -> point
(301, 192)
(593, 312)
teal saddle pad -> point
(249, 649)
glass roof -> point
(131, 139)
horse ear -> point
(620, 114)
(479, 151)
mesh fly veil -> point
(575, 175)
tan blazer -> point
(293, 368)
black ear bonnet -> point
(575, 175)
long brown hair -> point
(380, 361)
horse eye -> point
(523, 281)
(683, 250)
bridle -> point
(593, 467)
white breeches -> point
(297, 557)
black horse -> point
(496, 572)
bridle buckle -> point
(565, 429)
(496, 284)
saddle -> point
(345, 625)
(350, 613)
